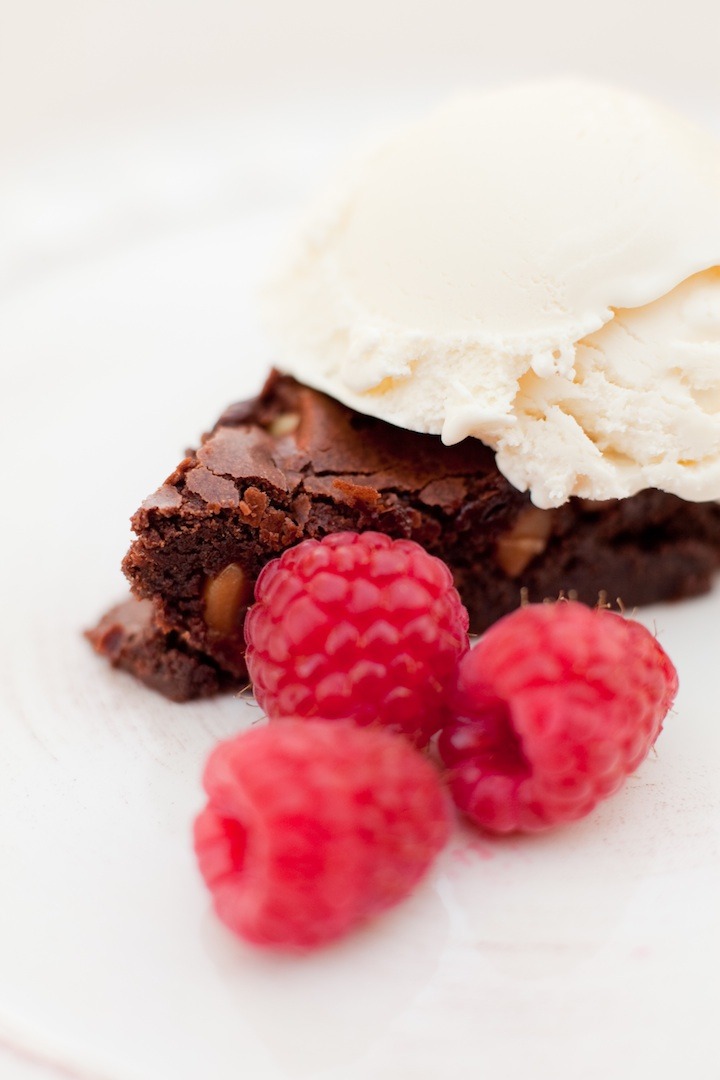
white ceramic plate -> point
(589, 953)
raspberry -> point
(356, 627)
(554, 707)
(313, 827)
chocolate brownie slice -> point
(294, 463)
(131, 640)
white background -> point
(151, 155)
(84, 61)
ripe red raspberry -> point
(313, 827)
(356, 627)
(554, 707)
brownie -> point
(130, 639)
(293, 463)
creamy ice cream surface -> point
(536, 267)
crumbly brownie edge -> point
(128, 637)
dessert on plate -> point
(498, 336)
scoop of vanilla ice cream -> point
(535, 267)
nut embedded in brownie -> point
(293, 464)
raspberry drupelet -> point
(360, 627)
(553, 709)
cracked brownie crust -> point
(294, 463)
